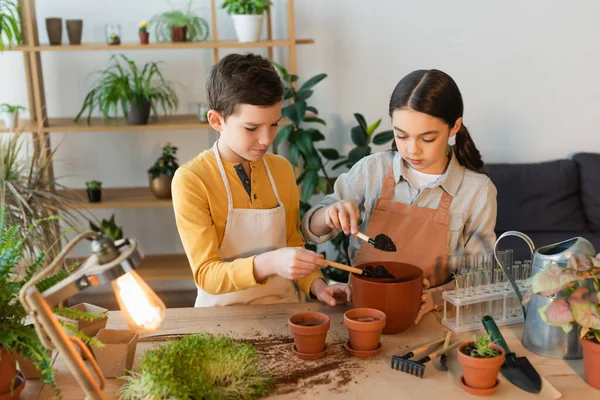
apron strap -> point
(442, 214)
(387, 190)
(226, 183)
(272, 182)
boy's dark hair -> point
(243, 79)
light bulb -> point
(142, 309)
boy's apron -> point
(420, 234)
(250, 232)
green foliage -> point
(362, 136)
(166, 164)
(482, 347)
(10, 108)
(197, 28)
(256, 7)
(121, 86)
(108, 228)
(199, 366)
(93, 185)
(10, 27)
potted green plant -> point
(216, 367)
(143, 32)
(160, 174)
(10, 115)
(10, 26)
(94, 191)
(248, 17)
(575, 290)
(108, 228)
(136, 91)
(481, 360)
(179, 26)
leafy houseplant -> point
(10, 115)
(575, 290)
(481, 360)
(108, 228)
(160, 174)
(134, 90)
(179, 26)
(94, 191)
(10, 27)
(199, 366)
(248, 16)
(143, 32)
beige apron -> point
(250, 232)
(420, 234)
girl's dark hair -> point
(435, 93)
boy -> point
(236, 205)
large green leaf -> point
(315, 120)
(317, 136)
(283, 134)
(359, 136)
(302, 96)
(294, 154)
(323, 185)
(312, 110)
(373, 127)
(312, 82)
(330, 154)
(295, 112)
(362, 122)
(292, 78)
(311, 180)
(383, 137)
(288, 93)
(281, 70)
(305, 142)
(313, 161)
(340, 163)
(357, 153)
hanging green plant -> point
(200, 366)
(10, 27)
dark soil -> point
(365, 319)
(308, 322)
(384, 243)
(468, 349)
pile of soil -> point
(337, 369)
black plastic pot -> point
(94, 195)
(139, 113)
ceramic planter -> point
(144, 37)
(480, 374)
(309, 330)
(54, 29)
(364, 328)
(16, 389)
(11, 120)
(179, 34)
(94, 195)
(139, 113)
(591, 363)
(74, 30)
(8, 370)
(248, 27)
(116, 357)
(400, 301)
(161, 186)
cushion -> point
(589, 182)
(540, 197)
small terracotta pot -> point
(8, 370)
(161, 186)
(400, 301)
(591, 362)
(17, 388)
(310, 331)
(364, 327)
(179, 34)
(144, 37)
(480, 373)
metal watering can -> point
(538, 336)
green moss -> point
(199, 366)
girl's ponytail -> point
(466, 152)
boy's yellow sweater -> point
(200, 203)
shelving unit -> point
(155, 267)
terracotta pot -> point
(480, 373)
(400, 301)
(74, 30)
(27, 367)
(8, 370)
(179, 34)
(54, 29)
(144, 37)
(94, 196)
(17, 388)
(161, 186)
(310, 331)
(591, 362)
(364, 328)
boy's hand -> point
(343, 215)
(289, 262)
(426, 301)
(331, 294)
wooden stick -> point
(344, 267)
(362, 236)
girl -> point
(432, 199)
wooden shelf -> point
(208, 44)
(126, 197)
(98, 124)
(25, 125)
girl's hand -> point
(343, 215)
(331, 294)
(426, 301)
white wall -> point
(526, 70)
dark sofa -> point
(549, 201)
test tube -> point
(454, 268)
(508, 262)
(488, 268)
(478, 273)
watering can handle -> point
(505, 268)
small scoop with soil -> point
(378, 272)
(381, 242)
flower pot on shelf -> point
(74, 31)
(248, 27)
(179, 34)
(54, 29)
(11, 119)
(94, 195)
(144, 37)
(139, 113)
(161, 186)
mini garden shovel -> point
(381, 242)
(378, 272)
